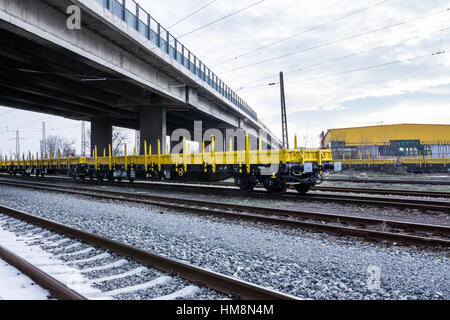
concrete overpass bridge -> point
(121, 68)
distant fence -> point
(427, 157)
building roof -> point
(383, 134)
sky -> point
(339, 71)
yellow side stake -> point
(109, 158)
(150, 155)
(203, 156)
(95, 158)
(247, 153)
(145, 156)
(184, 155)
(213, 154)
(159, 155)
(126, 158)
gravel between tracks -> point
(92, 272)
(388, 213)
(307, 265)
(393, 213)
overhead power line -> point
(63, 74)
(192, 14)
(360, 69)
(302, 32)
(337, 41)
(273, 76)
(373, 67)
(222, 18)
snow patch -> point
(45, 261)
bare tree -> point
(119, 138)
(55, 143)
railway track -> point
(224, 284)
(368, 228)
(390, 181)
(419, 204)
(415, 193)
(230, 188)
(57, 289)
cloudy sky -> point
(337, 74)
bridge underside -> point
(101, 74)
(36, 78)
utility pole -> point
(283, 114)
(83, 138)
(17, 139)
(43, 141)
(137, 140)
(17, 144)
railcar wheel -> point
(302, 188)
(275, 186)
(247, 183)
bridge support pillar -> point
(101, 134)
(153, 126)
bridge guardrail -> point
(139, 19)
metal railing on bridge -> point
(136, 17)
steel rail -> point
(389, 181)
(273, 215)
(57, 289)
(417, 193)
(230, 187)
(213, 280)
(419, 204)
(380, 202)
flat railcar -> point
(276, 170)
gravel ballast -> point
(92, 272)
(300, 263)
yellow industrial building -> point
(415, 144)
(384, 134)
